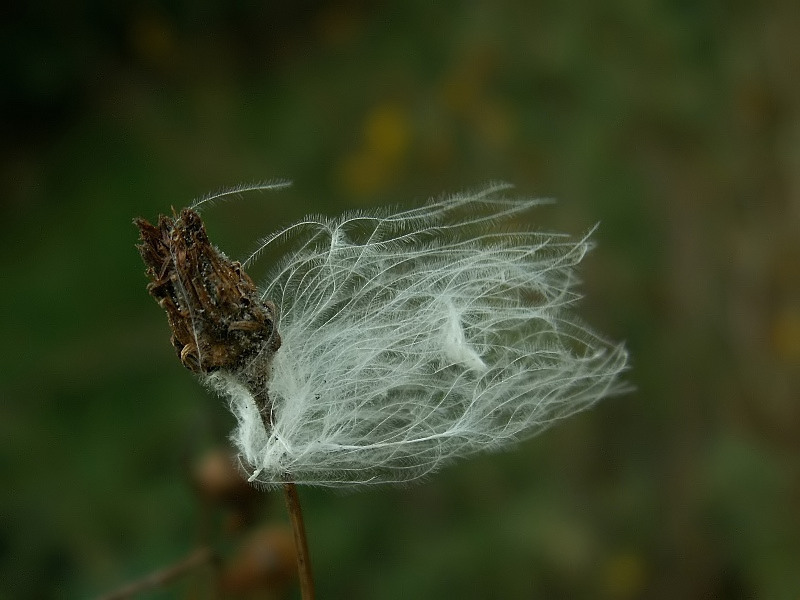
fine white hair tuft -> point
(412, 338)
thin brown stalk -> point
(162, 577)
(300, 540)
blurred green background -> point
(675, 124)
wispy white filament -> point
(416, 337)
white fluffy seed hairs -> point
(413, 338)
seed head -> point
(407, 339)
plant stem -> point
(292, 506)
(300, 541)
(198, 558)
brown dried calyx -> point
(217, 318)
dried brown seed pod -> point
(265, 561)
(217, 479)
(217, 317)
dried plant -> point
(406, 339)
(386, 344)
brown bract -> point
(217, 318)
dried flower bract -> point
(217, 319)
